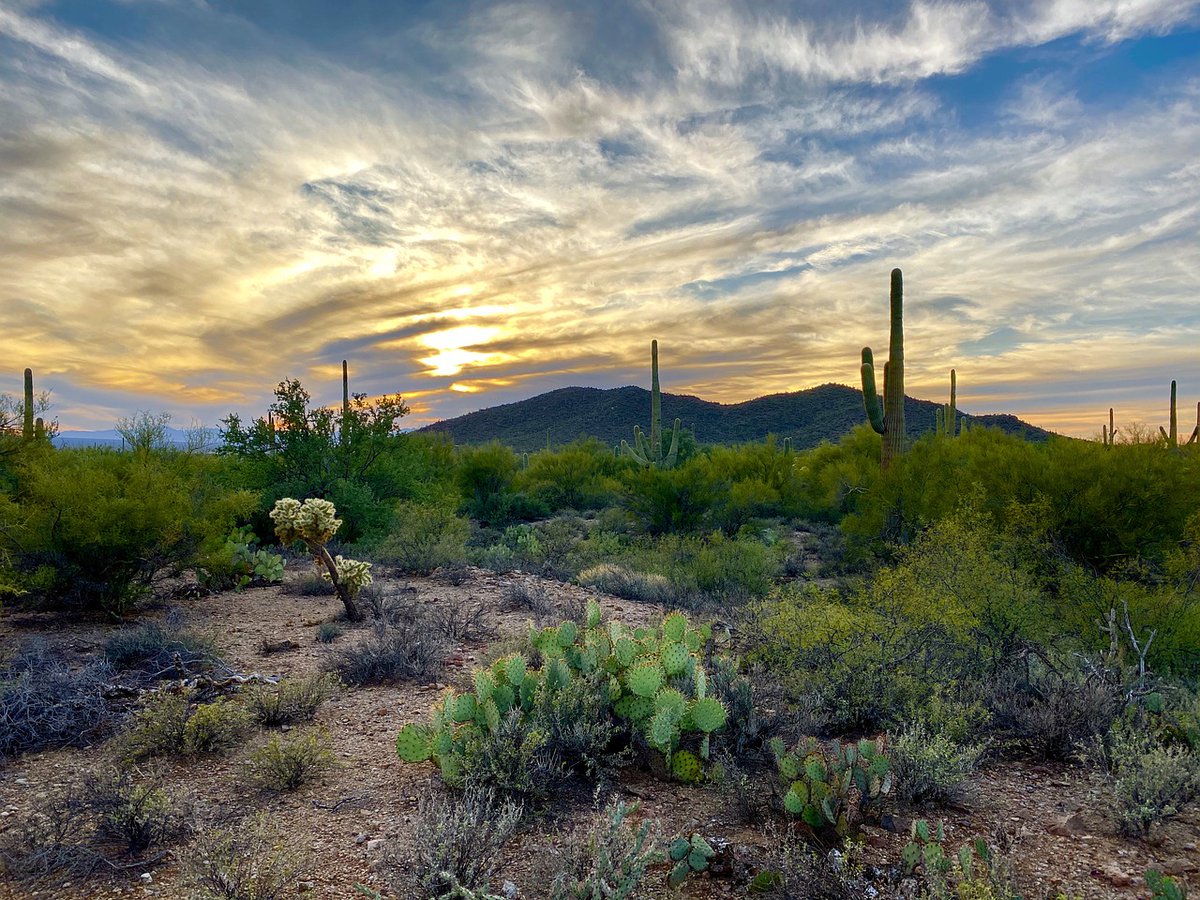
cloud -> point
(470, 208)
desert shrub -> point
(423, 538)
(390, 606)
(1150, 782)
(1048, 713)
(328, 632)
(486, 480)
(576, 725)
(623, 582)
(530, 596)
(513, 759)
(929, 766)
(457, 573)
(215, 727)
(720, 568)
(250, 859)
(97, 526)
(791, 869)
(160, 649)
(104, 820)
(291, 701)
(462, 619)
(46, 702)
(578, 476)
(284, 765)
(309, 584)
(675, 500)
(496, 558)
(405, 651)
(239, 562)
(739, 789)
(456, 841)
(610, 860)
(158, 727)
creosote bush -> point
(215, 727)
(286, 764)
(424, 538)
(930, 767)
(1150, 782)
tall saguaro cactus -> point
(345, 403)
(887, 417)
(946, 418)
(1109, 435)
(27, 426)
(1171, 438)
(649, 452)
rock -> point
(374, 845)
(1179, 865)
(1069, 827)
(360, 838)
(1116, 877)
(146, 878)
(509, 890)
(305, 886)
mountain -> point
(807, 417)
(175, 437)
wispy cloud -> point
(521, 197)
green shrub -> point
(328, 632)
(511, 759)
(97, 526)
(610, 860)
(250, 859)
(284, 765)
(291, 701)
(929, 766)
(423, 537)
(158, 728)
(215, 727)
(1150, 783)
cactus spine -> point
(887, 417)
(946, 418)
(1172, 437)
(650, 452)
(28, 424)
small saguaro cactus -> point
(649, 453)
(887, 417)
(1108, 434)
(946, 418)
(1195, 438)
(314, 522)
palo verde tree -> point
(333, 453)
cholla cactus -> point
(314, 522)
(353, 573)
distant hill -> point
(807, 417)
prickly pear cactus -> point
(689, 855)
(831, 785)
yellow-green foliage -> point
(158, 728)
(110, 521)
(215, 727)
(285, 764)
(579, 476)
(424, 537)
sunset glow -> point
(475, 203)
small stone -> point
(146, 878)
(305, 886)
(509, 890)
(1069, 827)
(1178, 866)
(374, 845)
(360, 838)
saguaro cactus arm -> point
(871, 401)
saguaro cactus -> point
(649, 452)
(1172, 437)
(1195, 438)
(946, 418)
(345, 403)
(27, 427)
(887, 417)
(1108, 434)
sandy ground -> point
(1063, 841)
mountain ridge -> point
(825, 412)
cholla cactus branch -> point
(314, 522)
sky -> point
(475, 202)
